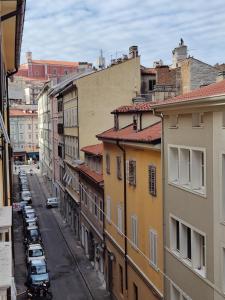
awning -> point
(5, 264)
(6, 217)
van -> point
(52, 202)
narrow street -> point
(67, 282)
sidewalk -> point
(93, 280)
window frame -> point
(196, 188)
(152, 182)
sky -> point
(76, 30)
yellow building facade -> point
(133, 205)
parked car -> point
(34, 251)
(29, 215)
(32, 235)
(26, 196)
(24, 187)
(37, 273)
(52, 202)
(22, 204)
(30, 222)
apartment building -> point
(91, 206)
(24, 133)
(133, 204)
(81, 104)
(11, 28)
(194, 141)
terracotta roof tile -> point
(148, 71)
(148, 134)
(56, 62)
(98, 178)
(94, 149)
(214, 89)
(144, 106)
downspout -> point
(163, 190)
(125, 212)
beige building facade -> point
(193, 133)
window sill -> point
(198, 127)
(173, 127)
(186, 262)
(200, 192)
(154, 266)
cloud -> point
(76, 30)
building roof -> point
(215, 89)
(5, 264)
(21, 113)
(148, 71)
(94, 149)
(84, 169)
(149, 134)
(144, 106)
(56, 62)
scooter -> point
(38, 292)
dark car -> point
(37, 273)
(32, 235)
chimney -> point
(133, 51)
(179, 54)
(29, 56)
(220, 76)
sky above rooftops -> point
(76, 30)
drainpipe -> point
(163, 188)
(125, 212)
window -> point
(107, 163)
(223, 187)
(108, 207)
(197, 119)
(116, 122)
(186, 168)
(151, 84)
(132, 172)
(152, 180)
(135, 289)
(100, 210)
(153, 248)
(96, 206)
(29, 136)
(173, 164)
(187, 243)
(121, 278)
(223, 268)
(119, 218)
(134, 234)
(29, 126)
(54, 71)
(118, 167)
(177, 294)
(173, 119)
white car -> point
(52, 202)
(26, 196)
(35, 251)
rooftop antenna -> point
(101, 61)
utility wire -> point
(212, 285)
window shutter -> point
(153, 247)
(132, 172)
(118, 161)
(134, 230)
(119, 218)
(108, 207)
(152, 180)
(127, 170)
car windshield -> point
(39, 278)
(30, 215)
(35, 252)
(41, 269)
(34, 232)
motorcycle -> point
(38, 292)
